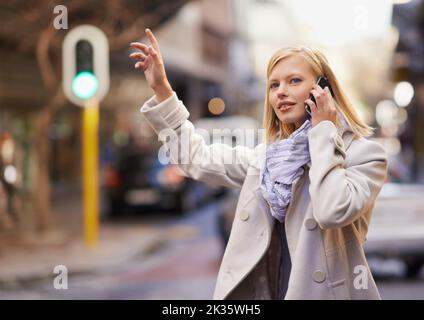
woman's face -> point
(290, 83)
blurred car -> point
(397, 226)
(396, 229)
(138, 182)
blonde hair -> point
(274, 128)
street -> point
(185, 267)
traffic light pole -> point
(90, 129)
(85, 55)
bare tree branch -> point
(43, 60)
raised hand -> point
(325, 108)
(150, 61)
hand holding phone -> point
(322, 82)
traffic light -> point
(85, 83)
(85, 59)
(85, 64)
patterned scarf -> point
(283, 164)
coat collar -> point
(259, 162)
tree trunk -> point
(42, 189)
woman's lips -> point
(285, 107)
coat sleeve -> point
(217, 163)
(344, 184)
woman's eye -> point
(274, 85)
(297, 80)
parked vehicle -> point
(138, 183)
(397, 226)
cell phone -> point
(322, 82)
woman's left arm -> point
(343, 183)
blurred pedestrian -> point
(10, 181)
(5, 220)
(307, 192)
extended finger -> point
(139, 65)
(138, 55)
(140, 46)
(152, 40)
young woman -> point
(307, 192)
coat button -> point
(318, 276)
(310, 224)
(244, 215)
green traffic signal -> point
(85, 85)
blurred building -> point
(209, 63)
(215, 53)
(21, 96)
(207, 56)
(408, 67)
(24, 96)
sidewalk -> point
(35, 259)
(31, 257)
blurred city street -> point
(91, 205)
(156, 256)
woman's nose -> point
(282, 90)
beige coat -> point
(326, 222)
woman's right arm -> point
(215, 163)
